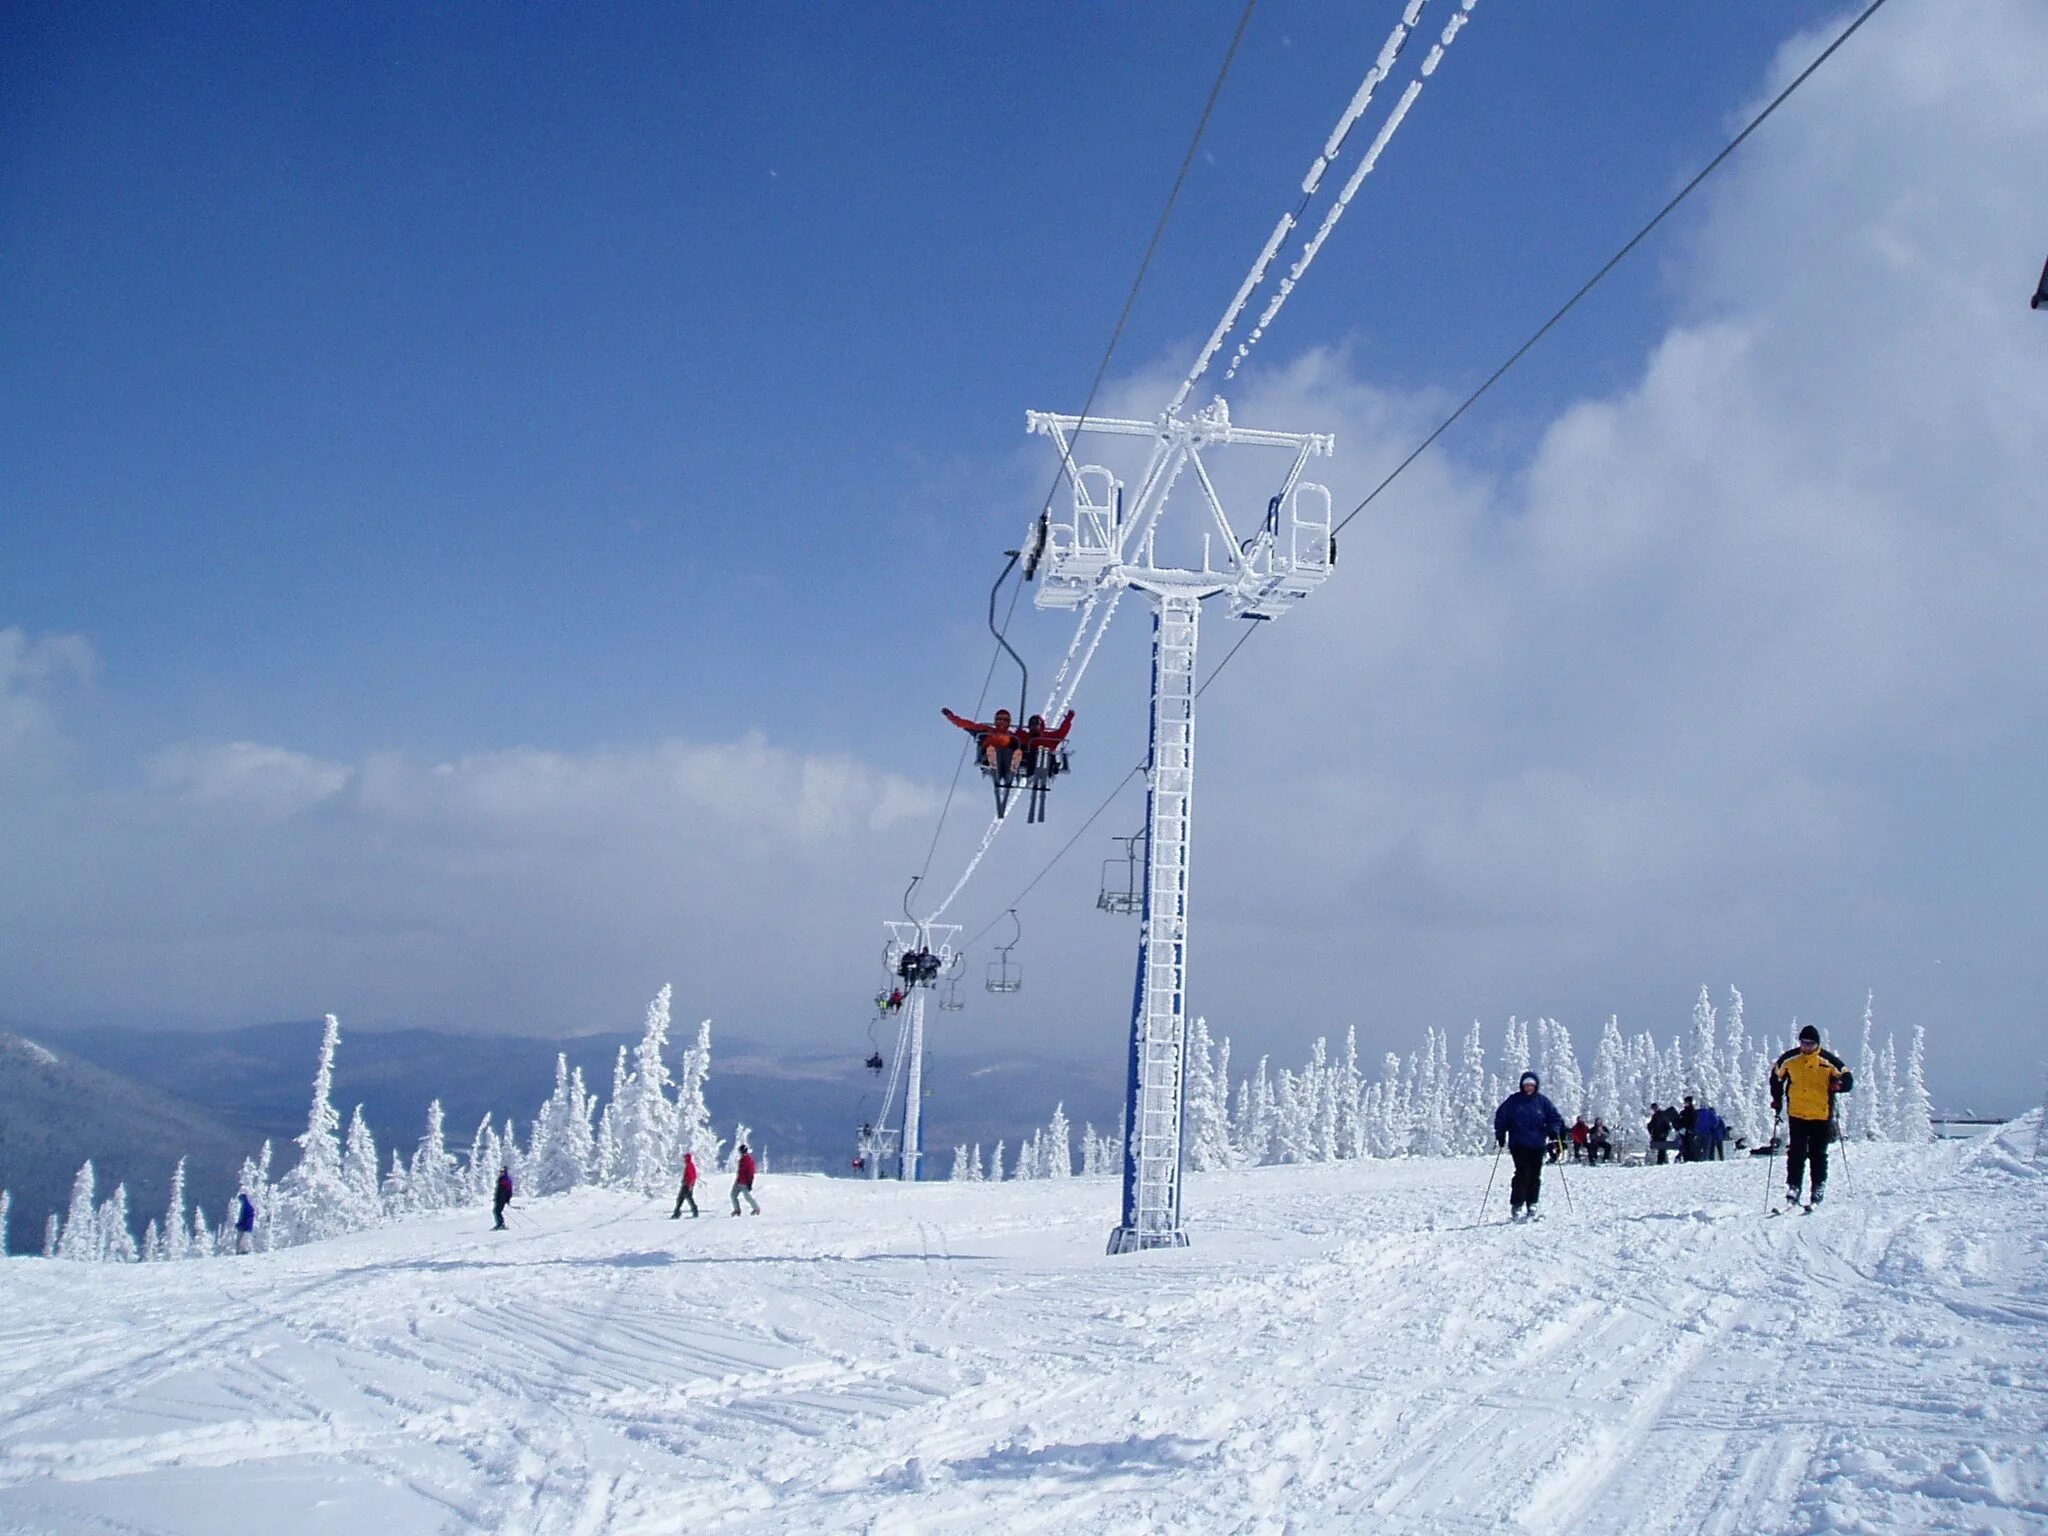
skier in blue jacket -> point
(1526, 1124)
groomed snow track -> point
(1349, 1352)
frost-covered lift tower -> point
(908, 938)
(1261, 569)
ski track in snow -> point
(1346, 1347)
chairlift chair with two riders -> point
(1004, 975)
(1019, 750)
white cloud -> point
(268, 783)
(32, 671)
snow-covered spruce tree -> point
(961, 1172)
(1604, 1093)
(974, 1166)
(6, 1210)
(79, 1239)
(693, 1117)
(1059, 1145)
(1889, 1112)
(1027, 1166)
(1255, 1117)
(1515, 1056)
(645, 1127)
(1208, 1127)
(1474, 1111)
(484, 1161)
(1290, 1119)
(1860, 1119)
(117, 1242)
(153, 1244)
(1916, 1114)
(177, 1236)
(1351, 1134)
(200, 1245)
(1740, 1085)
(312, 1201)
(995, 1163)
(397, 1188)
(1322, 1076)
(359, 1174)
(560, 1155)
(53, 1236)
(1563, 1083)
(435, 1180)
(1706, 1049)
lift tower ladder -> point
(1111, 542)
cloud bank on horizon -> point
(1735, 676)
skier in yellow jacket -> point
(1805, 1081)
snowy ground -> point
(1342, 1350)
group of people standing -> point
(1696, 1132)
(1804, 1082)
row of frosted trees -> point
(338, 1186)
(1439, 1101)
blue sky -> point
(493, 500)
(456, 378)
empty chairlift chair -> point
(1003, 973)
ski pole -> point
(1842, 1144)
(1565, 1184)
(1489, 1180)
(1776, 1121)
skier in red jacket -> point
(1000, 746)
(688, 1193)
(743, 1181)
(1042, 760)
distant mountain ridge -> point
(235, 1087)
(58, 1108)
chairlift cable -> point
(1472, 399)
(1572, 303)
(1095, 386)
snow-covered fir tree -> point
(693, 1116)
(563, 1147)
(434, 1180)
(1208, 1109)
(645, 1126)
(79, 1239)
(117, 1242)
(1027, 1159)
(1706, 1050)
(312, 1202)
(1351, 1133)
(1855, 1113)
(176, 1233)
(1916, 1112)
(359, 1174)
(995, 1163)
(152, 1243)
(200, 1245)
(1058, 1145)
(6, 1210)
(1885, 1123)
(52, 1236)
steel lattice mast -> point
(905, 938)
(1107, 546)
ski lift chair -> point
(1122, 888)
(1003, 974)
(875, 1063)
(2040, 299)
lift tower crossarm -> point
(1103, 548)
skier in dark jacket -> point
(1805, 1081)
(1661, 1121)
(501, 1197)
(245, 1222)
(1527, 1124)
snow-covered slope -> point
(1344, 1349)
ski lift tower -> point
(1266, 565)
(908, 938)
